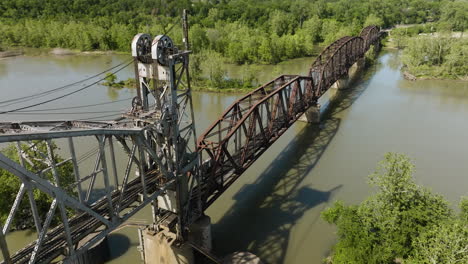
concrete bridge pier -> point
(160, 247)
(312, 115)
(353, 72)
(97, 254)
(341, 84)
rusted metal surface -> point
(254, 122)
(370, 35)
(250, 131)
(343, 54)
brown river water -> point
(273, 210)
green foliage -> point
(111, 81)
(464, 208)
(213, 65)
(10, 184)
(373, 20)
(437, 56)
(110, 78)
(243, 31)
(401, 221)
(443, 243)
(280, 22)
(454, 16)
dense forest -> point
(244, 31)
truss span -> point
(370, 35)
(339, 58)
(254, 122)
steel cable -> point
(42, 94)
(63, 96)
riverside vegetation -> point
(401, 223)
(242, 31)
(442, 56)
(436, 50)
(236, 31)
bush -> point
(402, 220)
(437, 56)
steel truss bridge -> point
(167, 166)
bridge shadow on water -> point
(119, 245)
(265, 211)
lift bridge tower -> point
(157, 136)
(164, 104)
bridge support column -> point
(355, 69)
(200, 233)
(97, 254)
(159, 248)
(341, 83)
(312, 115)
(353, 73)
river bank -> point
(431, 55)
(26, 51)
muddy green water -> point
(273, 209)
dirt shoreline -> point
(7, 54)
(24, 51)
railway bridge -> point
(167, 166)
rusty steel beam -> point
(344, 56)
(252, 134)
(253, 123)
(370, 35)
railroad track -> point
(83, 224)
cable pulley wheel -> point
(162, 48)
(143, 48)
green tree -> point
(197, 38)
(440, 56)
(373, 20)
(213, 65)
(446, 242)
(279, 22)
(454, 15)
(10, 184)
(391, 223)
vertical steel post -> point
(76, 169)
(175, 135)
(141, 169)
(63, 212)
(114, 164)
(32, 201)
(102, 141)
(137, 79)
(4, 247)
(185, 27)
